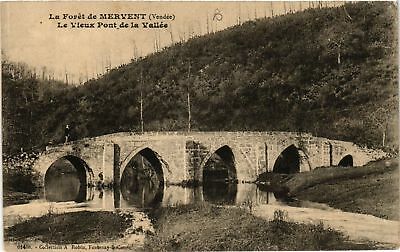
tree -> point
(381, 118)
(344, 38)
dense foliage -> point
(331, 72)
(25, 97)
(18, 173)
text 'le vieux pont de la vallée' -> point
(109, 20)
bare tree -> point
(171, 34)
(381, 118)
(44, 72)
(141, 101)
(188, 98)
(66, 75)
(86, 71)
(239, 15)
(284, 7)
(272, 9)
(190, 30)
(345, 11)
(208, 24)
(135, 50)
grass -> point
(372, 189)
(207, 228)
(71, 228)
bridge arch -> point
(142, 178)
(292, 160)
(161, 166)
(150, 152)
(346, 161)
(68, 178)
(227, 154)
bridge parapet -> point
(201, 133)
(360, 155)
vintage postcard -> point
(199, 126)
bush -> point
(18, 173)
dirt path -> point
(356, 226)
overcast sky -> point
(28, 35)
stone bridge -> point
(182, 156)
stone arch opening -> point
(67, 179)
(291, 160)
(220, 166)
(142, 179)
(346, 161)
(219, 177)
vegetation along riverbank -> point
(20, 182)
(371, 189)
(208, 227)
(71, 228)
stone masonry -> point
(183, 155)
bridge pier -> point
(116, 166)
(108, 163)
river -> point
(67, 194)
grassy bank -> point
(207, 227)
(71, 228)
(372, 189)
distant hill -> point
(331, 72)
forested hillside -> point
(25, 96)
(331, 72)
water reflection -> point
(63, 183)
(142, 183)
(144, 198)
(146, 193)
(143, 194)
(220, 193)
(280, 193)
(139, 189)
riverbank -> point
(20, 182)
(207, 227)
(371, 189)
(71, 227)
(16, 198)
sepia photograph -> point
(199, 125)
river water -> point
(139, 198)
(65, 191)
(142, 189)
(145, 196)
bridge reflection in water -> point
(143, 197)
(142, 185)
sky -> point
(30, 35)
